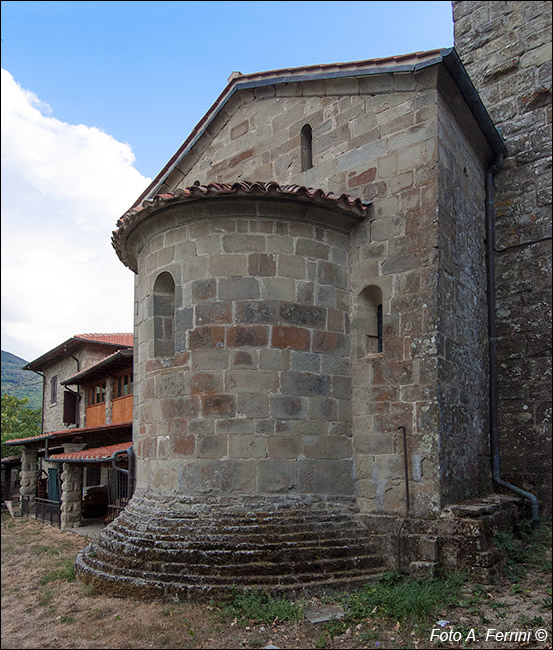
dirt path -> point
(43, 607)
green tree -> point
(18, 422)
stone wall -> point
(256, 398)
(506, 48)
(462, 403)
(384, 138)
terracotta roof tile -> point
(354, 207)
(115, 339)
(97, 453)
(68, 432)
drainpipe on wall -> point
(492, 342)
(78, 413)
(40, 374)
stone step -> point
(141, 588)
(259, 576)
(237, 525)
(198, 537)
(221, 557)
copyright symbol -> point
(541, 635)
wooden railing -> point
(96, 415)
(121, 409)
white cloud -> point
(63, 188)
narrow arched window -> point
(306, 148)
(164, 315)
(369, 322)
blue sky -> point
(97, 96)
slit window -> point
(306, 148)
(164, 315)
(370, 331)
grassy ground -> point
(44, 607)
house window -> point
(124, 385)
(306, 148)
(370, 339)
(54, 389)
(164, 315)
(96, 393)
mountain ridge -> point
(20, 383)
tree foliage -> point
(18, 421)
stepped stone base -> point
(197, 548)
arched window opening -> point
(306, 148)
(164, 315)
(370, 320)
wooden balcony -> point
(121, 409)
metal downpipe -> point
(492, 343)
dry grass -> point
(43, 607)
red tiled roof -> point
(352, 207)
(115, 339)
(118, 359)
(68, 432)
(118, 340)
(97, 453)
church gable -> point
(329, 133)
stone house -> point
(68, 473)
(313, 366)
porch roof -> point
(65, 433)
(96, 454)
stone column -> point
(71, 491)
(29, 477)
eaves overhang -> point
(110, 341)
(340, 211)
(69, 433)
(112, 364)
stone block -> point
(213, 446)
(238, 476)
(256, 312)
(327, 447)
(234, 426)
(247, 446)
(251, 381)
(276, 475)
(274, 359)
(247, 336)
(252, 405)
(205, 383)
(332, 477)
(183, 445)
(303, 315)
(261, 264)
(278, 289)
(228, 266)
(298, 383)
(284, 446)
(243, 243)
(305, 362)
(206, 337)
(295, 338)
(238, 289)
(291, 266)
(284, 407)
(218, 405)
